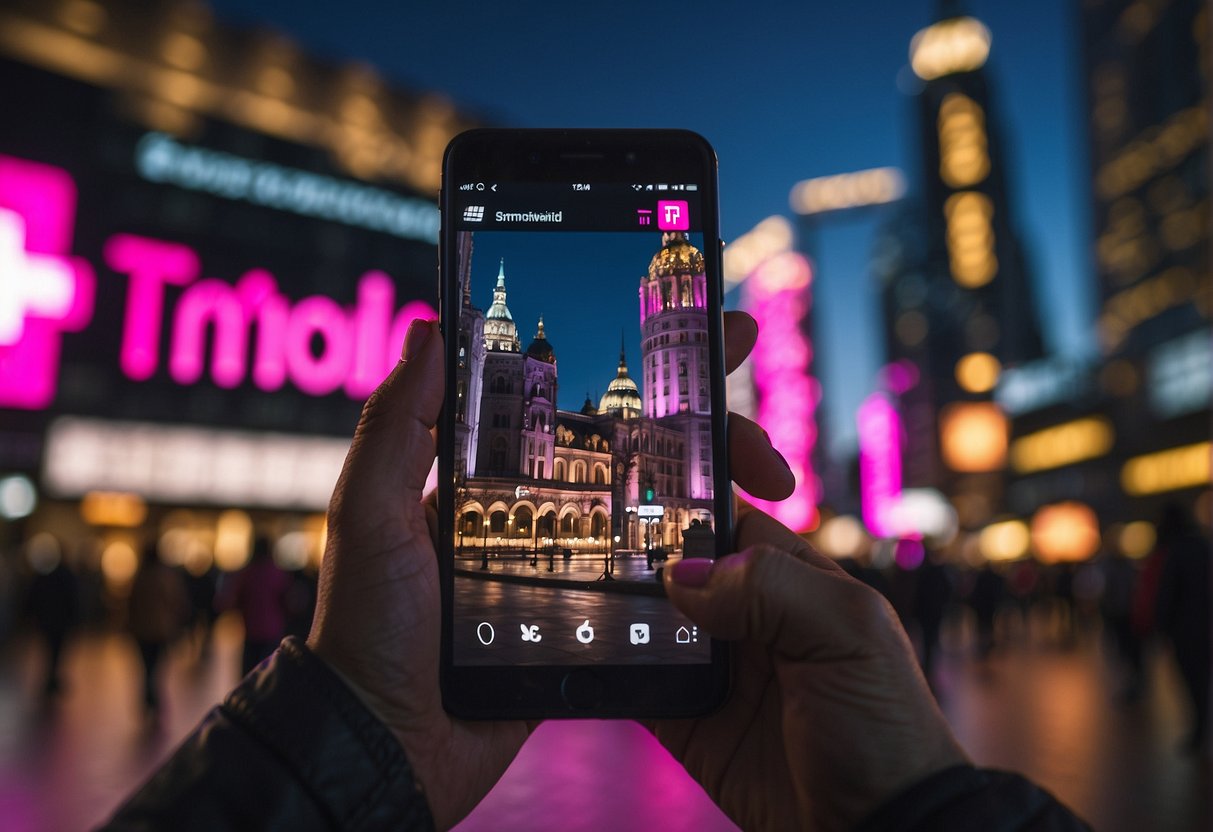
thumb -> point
(798, 611)
(393, 447)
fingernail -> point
(415, 338)
(691, 572)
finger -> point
(755, 464)
(393, 447)
(740, 333)
(754, 527)
(765, 594)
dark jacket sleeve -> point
(967, 798)
(290, 748)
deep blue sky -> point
(784, 91)
(582, 315)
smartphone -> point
(582, 446)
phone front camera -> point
(535, 158)
(630, 157)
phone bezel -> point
(597, 155)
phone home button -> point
(583, 690)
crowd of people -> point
(160, 607)
(1135, 606)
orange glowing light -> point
(113, 508)
(973, 436)
(1065, 532)
(978, 372)
(1169, 470)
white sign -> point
(650, 511)
(1181, 375)
(181, 464)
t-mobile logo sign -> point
(672, 215)
(44, 291)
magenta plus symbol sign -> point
(44, 291)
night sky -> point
(586, 287)
(783, 91)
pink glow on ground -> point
(778, 297)
(879, 462)
(595, 775)
(39, 202)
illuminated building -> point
(958, 303)
(211, 246)
(973, 248)
(533, 476)
(1126, 433)
(1147, 89)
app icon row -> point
(639, 633)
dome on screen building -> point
(541, 348)
(676, 257)
(622, 397)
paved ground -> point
(1033, 707)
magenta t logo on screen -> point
(44, 291)
(672, 215)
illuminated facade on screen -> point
(533, 475)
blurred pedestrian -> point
(986, 598)
(932, 592)
(259, 593)
(1063, 604)
(202, 583)
(1023, 584)
(300, 602)
(52, 604)
(1182, 610)
(158, 609)
(1116, 608)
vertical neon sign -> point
(879, 462)
(777, 295)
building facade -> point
(532, 476)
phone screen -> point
(583, 420)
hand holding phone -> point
(378, 620)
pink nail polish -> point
(691, 572)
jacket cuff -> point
(297, 707)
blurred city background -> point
(976, 235)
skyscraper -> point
(1147, 83)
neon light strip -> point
(777, 295)
(879, 463)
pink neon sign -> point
(44, 292)
(358, 348)
(879, 428)
(777, 295)
(315, 344)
